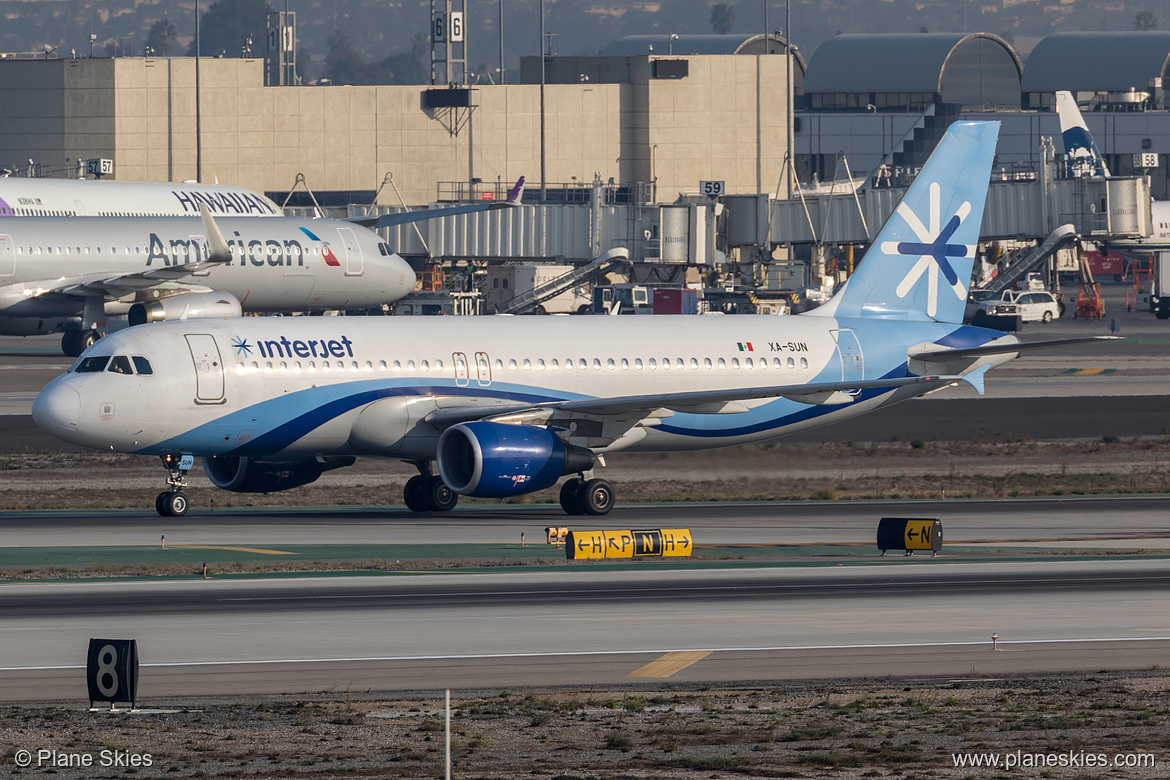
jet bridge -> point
(1096, 208)
(1020, 206)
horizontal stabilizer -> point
(1002, 348)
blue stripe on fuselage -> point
(323, 404)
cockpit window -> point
(382, 249)
(120, 365)
(91, 364)
(142, 365)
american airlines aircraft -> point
(71, 273)
(506, 405)
(20, 197)
(53, 269)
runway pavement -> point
(1099, 523)
(506, 630)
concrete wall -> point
(725, 121)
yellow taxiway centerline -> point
(670, 663)
(233, 549)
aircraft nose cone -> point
(57, 409)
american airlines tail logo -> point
(932, 252)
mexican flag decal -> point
(745, 346)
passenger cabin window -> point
(120, 364)
(93, 364)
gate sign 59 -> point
(447, 27)
(111, 670)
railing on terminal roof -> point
(557, 194)
(35, 170)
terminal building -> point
(631, 143)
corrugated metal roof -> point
(1099, 61)
(908, 62)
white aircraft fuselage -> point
(22, 197)
(308, 387)
(50, 266)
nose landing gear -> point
(172, 503)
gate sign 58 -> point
(447, 27)
(111, 670)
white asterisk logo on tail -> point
(932, 250)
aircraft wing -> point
(631, 409)
(418, 215)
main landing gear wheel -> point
(171, 504)
(571, 496)
(428, 493)
(414, 493)
(74, 342)
(441, 497)
(597, 497)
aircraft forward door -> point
(852, 361)
(483, 369)
(353, 252)
(7, 256)
(208, 369)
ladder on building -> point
(530, 299)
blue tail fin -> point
(1084, 160)
(919, 267)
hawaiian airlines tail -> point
(919, 267)
(1084, 159)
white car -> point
(986, 310)
(1035, 305)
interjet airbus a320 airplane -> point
(508, 405)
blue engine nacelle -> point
(251, 475)
(494, 460)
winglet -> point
(516, 193)
(218, 250)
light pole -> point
(788, 61)
(198, 114)
(670, 43)
(543, 183)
